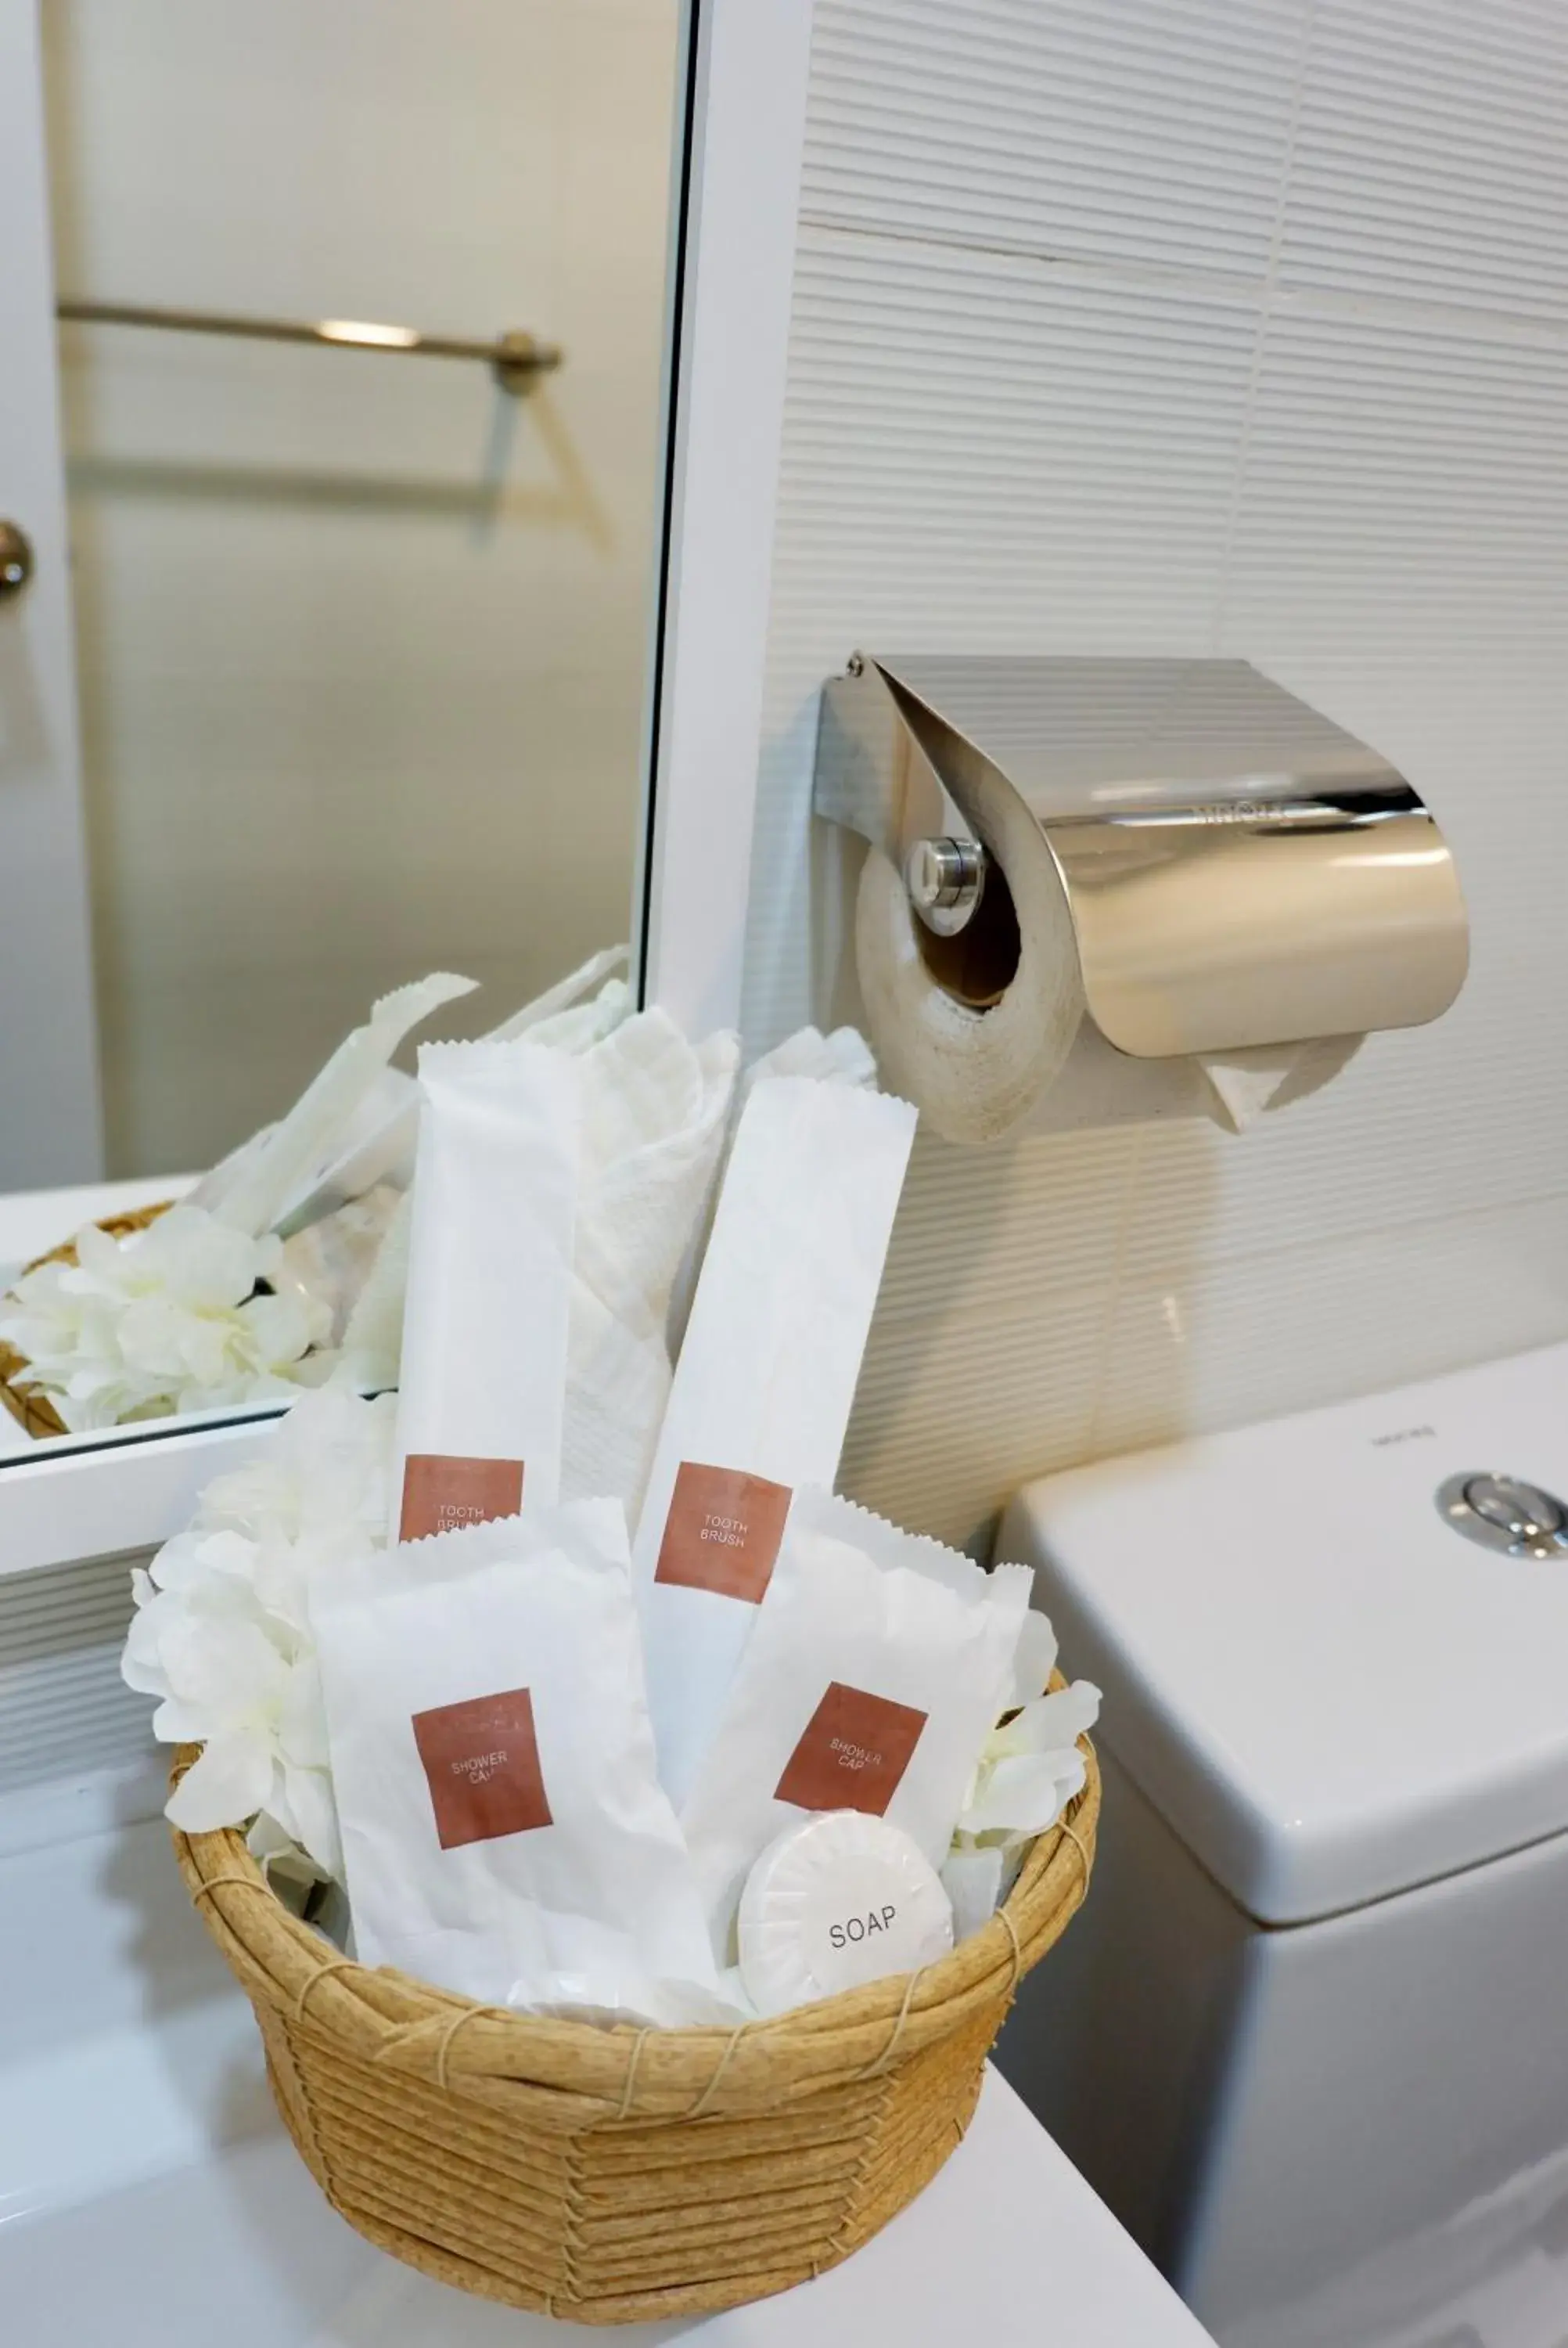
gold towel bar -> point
(515, 357)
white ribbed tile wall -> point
(948, 1405)
(1172, 327)
(1429, 161)
(64, 1709)
(1237, 1340)
(1000, 416)
(1155, 140)
(1406, 476)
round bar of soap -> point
(836, 1900)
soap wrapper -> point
(483, 1378)
(504, 1831)
(870, 1683)
(839, 1899)
(764, 1386)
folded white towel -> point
(844, 1057)
(654, 1109)
(653, 1119)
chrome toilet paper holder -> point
(1238, 869)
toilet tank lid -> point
(1329, 1690)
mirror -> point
(359, 619)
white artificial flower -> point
(326, 1471)
(1029, 1770)
(222, 1634)
(187, 1314)
(1034, 1658)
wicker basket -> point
(615, 2175)
(36, 1412)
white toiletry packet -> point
(871, 1680)
(482, 1387)
(504, 1830)
(379, 1143)
(764, 1386)
(254, 1185)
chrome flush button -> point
(1505, 1513)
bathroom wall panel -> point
(1405, 480)
(1429, 161)
(1003, 419)
(1089, 1176)
(985, 1387)
(1250, 1336)
(996, 124)
(1303, 402)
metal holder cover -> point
(1238, 869)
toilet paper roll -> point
(989, 1032)
(976, 1071)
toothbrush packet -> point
(482, 1387)
(764, 1385)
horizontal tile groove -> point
(39, 1680)
(83, 1697)
(1479, 320)
(1183, 48)
(64, 1706)
(1488, 323)
(23, 1607)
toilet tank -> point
(1333, 1648)
(1309, 2037)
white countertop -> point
(148, 2197)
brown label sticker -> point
(722, 1532)
(855, 1751)
(482, 1761)
(441, 1492)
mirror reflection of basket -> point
(32, 1409)
(613, 2176)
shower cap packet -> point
(504, 1831)
(872, 1678)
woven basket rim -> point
(574, 2074)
